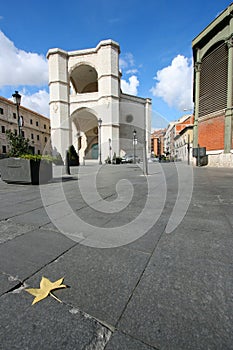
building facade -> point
(157, 142)
(169, 143)
(184, 139)
(36, 127)
(88, 108)
(213, 89)
(178, 138)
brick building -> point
(157, 142)
(36, 127)
(172, 139)
(213, 89)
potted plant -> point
(23, 167)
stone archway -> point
(84, 79)
(85, 133)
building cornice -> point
(213, 26)
(5, 100)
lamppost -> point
(134, 145)
(159, 147)
(99, 125)
(17, 100)
(110, 150)
(188, 149)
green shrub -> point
(18, 145)
(37, 157)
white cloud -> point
(132, 71)
(18, 67)
(126, 61)
(130, 87)
(123, 63)
(38, 101)
(174, 83)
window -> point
(3, 149)
(38, 152)
(38, 137)
(213, 80)
(37, 123)
(22, 133)
(45, 139)
(44, 126)
(31, 121)
(32, 136)
(1, 110)
(15, 132)
(3, 129)
(14, 115)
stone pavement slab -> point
(101, 280)
(48, 325)
(162, 291)
(9, 230)
(37, 217)
(121, 341)
(7, 282)
(185, 293)
(28, 253)
(185, 297)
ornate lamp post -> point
(134, 145)
(17, 100)
(99, 125)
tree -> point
(18, 145)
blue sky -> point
(155, 39)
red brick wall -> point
(211, 133)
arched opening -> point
(84, 79)
(85, 133)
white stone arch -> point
(84, 77)
(100, 103)
(85, 133)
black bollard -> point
(67, 163)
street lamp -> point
(17, 100)
(99, 125)
(134, 145)
(110, 150)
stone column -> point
(148, 126)
(197, 69)
(59, 87)
(228, 110)
(109, 90)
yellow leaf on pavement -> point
(46, 288)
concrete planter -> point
(28, 171)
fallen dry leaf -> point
(46, 288)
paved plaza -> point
(147, 260)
